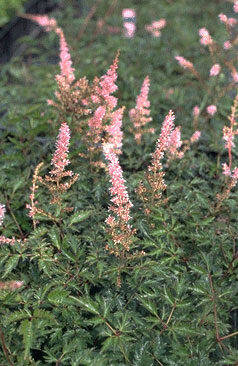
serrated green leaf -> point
(26, 330)
(87, 304)
(10, 264)
(79, 216)
(58, 296)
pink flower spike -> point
(129, 29)
(211, 109)
(184, 63)
(206, 39)
(196, 111)
(2, 213)
(60, 157)
(195, 137)
(43, 20)
(215, 70)
(120, 199)
(235, 6)
(107, 85)
(166, 130)
(227, 45)
(67, 71)
(128, 13)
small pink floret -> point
(226, 169)
(215, 70)
(195, 137)
(184, 63)
(129, 29)
(211, 109)
(196, 111)
(206, 39)
(128, 13)
(227, 45)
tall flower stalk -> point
(55, 182)
(151, 189)
(140, 115)
(117, 222)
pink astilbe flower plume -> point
(139, 115)
(229, 133)
(174, 144)
(55, 182)
(60, 158)
(235, 6)
(67, 72)
(107, 85)
(150, 191)
(118, 227)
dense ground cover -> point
(77, 290)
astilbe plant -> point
(55, 181)
(150, 191)
(140, 115)
(175, 301)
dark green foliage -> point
(177, 304)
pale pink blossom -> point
(227, 45)
(128, 13)
(223, 18)
(162, 142)
(228, 136)
(211, 109)
(196, 111)
(107, 85)
(65, 59)
(140, 114)
(195, 137)
(206, 39)
(114, 129)
(232, 22)
(95, 122)
(159, 24)
(43, 20)
(226, 169)
(174, 143)
(120, 199)
(129, 29)
(184, 63)
(235, 6)
(2, 213)
(155, 27)
(215, 70)
(60, 158)
(234, 75)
